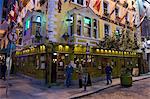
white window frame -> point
(96, 29)
(69, 25)
(88, 28)
(79, 24)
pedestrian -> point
(108, 71)
(69, 72)
(80, 72)
(4, 68)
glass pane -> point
(106, 27)
(79, 18)
(116, 11)
(87, 32)
(94, 33)
(71, 30)
(78, 30)
(105, 7)
(87, 22)
(95, 28)
(80, 2)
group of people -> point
(3, 69)
(69, 71)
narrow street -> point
(139, 90)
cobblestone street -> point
(139, 90)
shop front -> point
(49, 64)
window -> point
(117, 11)
(87, 27)
(127, 17)
(38, 19)
(79, 19)
(105, 5)
(106, 29)
(81, 2)
(71, 24)
(118, 33)
(95, 28)
(27, 24)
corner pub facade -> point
(53, 39)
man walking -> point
(69, 71)
(108, 71)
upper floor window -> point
(87, 27)
(127, 17)
(118, 33)
(71, 24)
(106, 29)
(81, 2)
(79, 21)
(38, 19)
(105, 6)
(95, 26)
(27, 26)
(117, 11)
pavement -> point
(22, 88)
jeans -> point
(108, 77)
(68, 80)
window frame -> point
(118, 12)
(105, 34)
(107, 10)
(75, 2)
(82, 26)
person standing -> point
(4, 68)
(80, 72)
(68, 71)
(108, 71)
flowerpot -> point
(126, 80)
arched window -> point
(38, 19)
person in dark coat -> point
(68, 71)
(4, 69)
(108, 71)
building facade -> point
(57, 32)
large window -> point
(95, 28)
(105, 5)
(87, 27)
(106, 29)
(81, 2)
(79, 19)
(71, 25)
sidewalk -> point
(25, 89)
